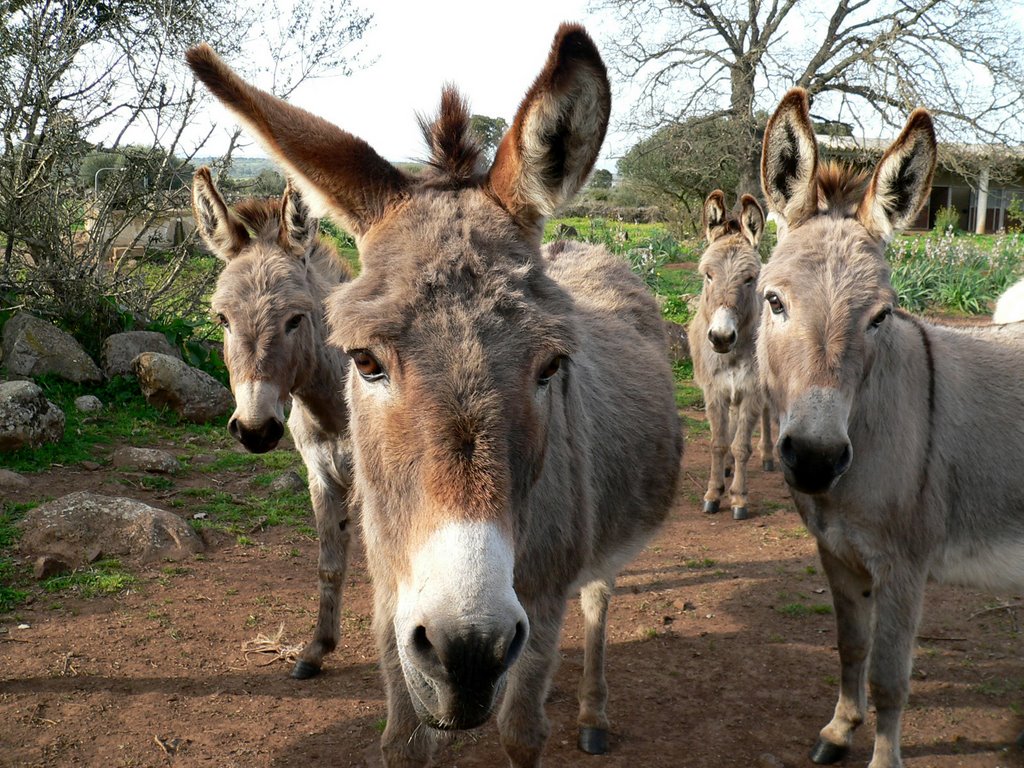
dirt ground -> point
(722, 653)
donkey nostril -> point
(516, 646)
(275, 430)
(233, 429)
(845, 459)
(420, 641)
(786, 451)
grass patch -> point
(228, 461)
(126, 419)
(242, 516)
(688, 394)
(702, 563)
(106, 577)
(12, 578)
(799, 610)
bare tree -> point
(866, 62)
(98, 114)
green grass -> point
(106, 577)
(240, 516)
(126, 419)
(11, 577)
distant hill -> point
(243, 167)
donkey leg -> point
(330, 505)
(593, 692)
(745, 418)
(718, 419)
(766, 447)
(522, 723)
(898, 604)
(851, 596)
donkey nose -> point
(260, 439)
(813, 465)
(722, 342)
(468, 657)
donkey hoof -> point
(740, 513)
(710, 507)
(826, 753)
(768, 465)
(303, 670)
(593, 741)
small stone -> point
(24, 626)
(47, 566)
(12, 480)
(768, 760)
(688, 606)
(289, 481)
(94, 554)
(199, 516)
(92, 466)
(88, 404)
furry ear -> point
(222, 231)
(789, 160)
(751, 219)
(713, 216)
(554, 141)
(298, 226)
(902, 179)
(337, 172)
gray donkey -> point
(722, 336)
(270, 301)
(515, 434)
(899, 439)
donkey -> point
(270, 301)
(895, 434)
(1010, 305)
(722, 336)
(513, 425)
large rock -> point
(146, 459)
(27, 418)
(170, 383)
(678, 341)
(120, 349)
(72, 527)
(33, 347)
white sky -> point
(491, 55)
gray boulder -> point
(33, 347)
(74, 526)
(27, 418)
(168, 382)
(146, 459)
(120, 349)
(88, 404)
(12, 480)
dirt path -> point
(721, 651)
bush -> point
(947, 221)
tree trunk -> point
(747, 147)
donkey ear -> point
(298, 226)
(337, 172)
(902, 179)
(751, 219)
(713, 216)
(554, 141)
(789, 159)
(221, 230)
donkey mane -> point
(841, 187)
(456, 157)
(262, 217)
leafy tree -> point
(489, 130)
(601, 179)
(866, 63)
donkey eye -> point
(222, 321)
(293, 323)
(707, 276)
(878, 319)
(549, 370)
(367, 365)
(749, 281)
(775, 303)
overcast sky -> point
(491, 55)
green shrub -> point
(947, 221)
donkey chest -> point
(735, 380)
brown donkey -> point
(895, 434)
(722, 337)
(270, 301)
(514, 430)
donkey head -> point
(462, 348)
(729, 299)
(262, 300)
(826, 288)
